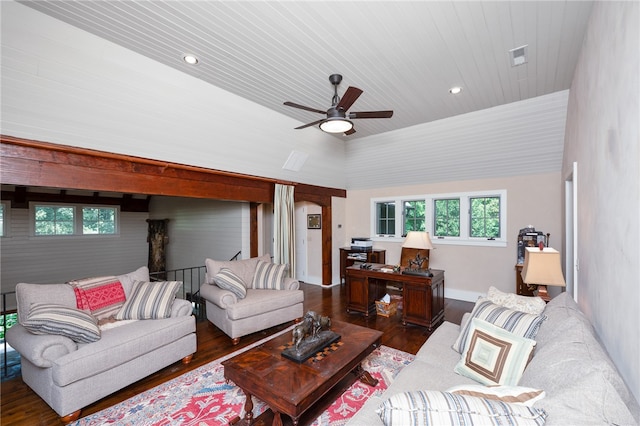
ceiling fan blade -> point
(370, 114)
(349, 98)
(350, 131)
(310, 124)
(306, 108)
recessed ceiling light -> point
(190, 59)
(455, 90)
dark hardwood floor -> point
(21, 406)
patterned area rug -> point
(201, 396)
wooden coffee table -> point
(292, 388)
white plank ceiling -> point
(404, 55)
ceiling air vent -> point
(518, 55)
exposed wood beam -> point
(27, 162)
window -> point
(64, 220)
(414, 217)
(98, 220)
(3, 219)
(447, 217)
(54, 220)
(485, 217)
(467, 218)
(386, 218)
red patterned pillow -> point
(102, 296)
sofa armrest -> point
(220, 297)
(181, 308)
(40, 349)
(291, 284)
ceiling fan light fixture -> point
(455, 90)
(336, 125)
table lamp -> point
(542, 268)
(421, 242)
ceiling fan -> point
(337, 120)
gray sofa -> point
(582, 385)
(258, 310)
(69, 375)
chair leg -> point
(187, 359)
(235, 341)
(70, 417)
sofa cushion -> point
(46, 318)
(269, 276)
(519, 323)
(494, 356)
(526, 304)
(118, 346)
(245, 268)
(261, 301)
(101, 296)
(150, 300)
(511, 394)
(127, 280)
(417, 408)
(228, 280)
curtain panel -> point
(284, 227)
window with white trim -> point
(4, 218)
(466, 218)
(72, 219)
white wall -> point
(200, 229)
(63, 85)
(603, 137)
(469, 271)
(32, 259)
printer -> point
(361, 244)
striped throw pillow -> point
(519, 323)
(149, 300)
(61, 320)
(269, 276)
(494, 356)
(422, 408)
(228, 280)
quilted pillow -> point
(494, 356)
(519, 323)
(526, 304)
(102, 296)
(511, 394)
(269, 276)
(228, 280)
(61, 320)
(422, 408)
(150, 300)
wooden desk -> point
(423, 297)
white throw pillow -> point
(526, 304)
(494, 356)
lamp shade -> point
(542, 267)
(418, 240)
